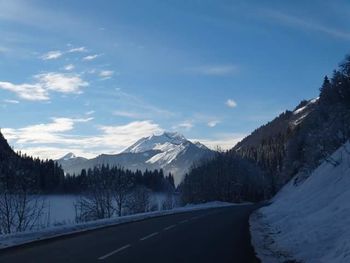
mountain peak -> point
(156, 142)
(68, 156)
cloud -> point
(141, 108)
(90, 112)
(305, 24)
(69, 67)
(55, 153)
(77, 49)
(45, 139)
(128, 114)
(55, 54)
(231, 103)
(63, 83)
(106, 74)
(11, 101)
(4, 49)
(52, 55)
(39, 91)
(43, 133)
(215, 70)
(26, 91)
(90, 57)
(213, 123)
(185, 125)
(223, 141)
(123, 136)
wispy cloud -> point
(4, 49)
(213, 123)
(303, 23)
(128, 114)
(11, 101)
(77, 49)
(185, 125)
(214, 70)
(90, 112)
(45, 83)
(140, 107)
(69, 67)
(106, 74)
(231, 103)
(52, 55)
(90, 57)
(55, 54)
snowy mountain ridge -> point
(169, 151)
(157, 142)
(68, 156)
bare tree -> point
(122, 185)
(168, 203)
(20, 210)
(139, 200)
(97, 201)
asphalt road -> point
(211, 235)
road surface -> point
(211, 235)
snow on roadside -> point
(12, 240)
(308, 221)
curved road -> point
(211, 235)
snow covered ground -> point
(60, 209)
(308, 221)
(70, 228)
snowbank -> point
(58, 231)
(309, 221)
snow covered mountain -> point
(70, 160)
(68, 156)
(169, 151)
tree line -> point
(154, 180)
(105, 191)
(227, 177)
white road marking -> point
(114, 252)
(169, 227)
(183, 221)
(149, 236)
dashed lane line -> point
(114, 252)
(169, 227)
(149, 236)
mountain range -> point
(169, 151)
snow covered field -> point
(56, 231)
(60, 209)
(308, 221)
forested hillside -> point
(294, 142)
(298, 145)
(21, 172)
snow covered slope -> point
(169, 151)
(309, 218)
(157, 142)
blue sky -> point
(95, 76)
